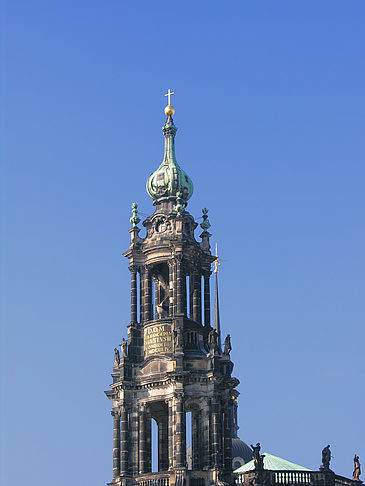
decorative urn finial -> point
(134, 219)
(205, 225)
(169, 179)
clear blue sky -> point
(270, 109)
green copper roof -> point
(169, 179)
(272, 463)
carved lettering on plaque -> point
(157, 339)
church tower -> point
(172, 365)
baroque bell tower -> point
(172, 363)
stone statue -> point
(178, 341)
(124, 346)
(227, 345)
(163, 287)
(357, 469)
(326, 458)
(116, 357)
(258, 458)
(256, 451)
(213, 342)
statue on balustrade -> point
(258, 458)
(326, 458)
(357, 469)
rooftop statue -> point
(326, 458)
(213, 342)
(357, 469)
(116, 357)
(258, 458)
(124, 346)
(227, 345)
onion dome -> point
(169, 179)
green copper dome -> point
(169, 179)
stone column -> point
(180, 433)
(191, 293)
(196, 440)
(171, 433)
(141, 294)
(142, 440)
(157, 296)
(185, 291)
(148, 442)
(147, 295)
(197, 304)
(116, 443)
(227, 436)
(163, 443)
(133, 294)
(180, 290)
(206, 300)
(171, 288)
(134, 445)
(216, 433)
(205, 437)
(124, 441)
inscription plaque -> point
(157, 339)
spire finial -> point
(169, 110)
(217, 324)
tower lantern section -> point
(171, 364)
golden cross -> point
(169, 93)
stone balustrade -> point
(153, 479)
(296, 478)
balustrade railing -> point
(292, 477)
(295, 478)
(153, 480)
(341, 481)
(282, 477)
